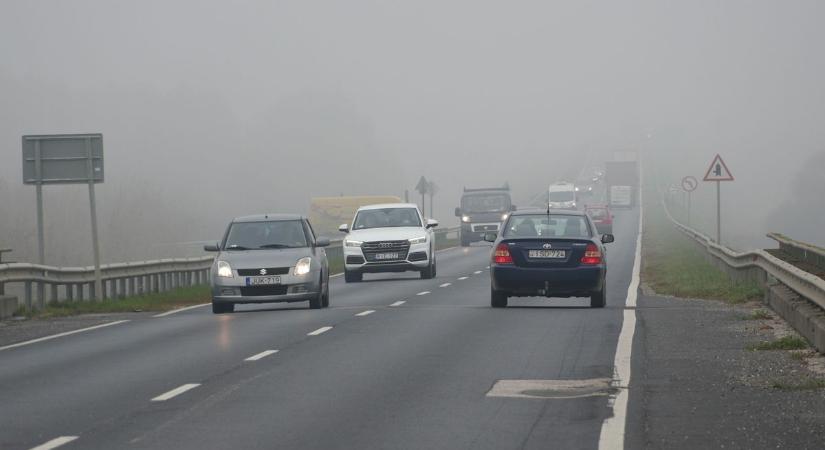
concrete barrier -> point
(8, 305)
(805, 317)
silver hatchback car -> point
(269, 258)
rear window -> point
(542, 225)
(598, 213)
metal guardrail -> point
(810, 254)
(120, 279)
(805, 284)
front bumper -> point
(352, 254)
(549, 282)
(293, 288)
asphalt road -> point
(407, 375)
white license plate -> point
(385, 256)
(546, 253)
(257, 281)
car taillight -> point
(502, 255)
(592, 255)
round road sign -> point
(689, 183)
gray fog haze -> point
(212, 109)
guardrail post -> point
(130, 287)
(28, 295)
(92, 293)
(2, 288)
(69, 292)
(53, 298)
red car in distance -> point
(602, 218)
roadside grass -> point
(759, 314)
(783, 343)
(674, 265)
(805, 385)
(176, 298)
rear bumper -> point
(604, 228)
(549, 282)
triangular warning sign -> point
(718, 171)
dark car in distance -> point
(548, 254)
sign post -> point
(65, 159)
(689, 185)
(422, 187)
(718, 172)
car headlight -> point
(352, 243)
(418, 240)
(302, 267)
(465, 218)
(504, 217)
(224, 269)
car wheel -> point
(597, 299)
(325, 303)
(353, 277)
(429, 272)
(222, 308)
(498, 299)
(435, 267)
(317, 302)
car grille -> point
(489, 227)
(269, 271)
(418, 256)
(370, 249)
(259, 291)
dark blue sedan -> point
(549, 254)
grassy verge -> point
(804, 385)
(165, 301)
(674, 265)
(783, 343)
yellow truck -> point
(327, 213)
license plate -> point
(257, 281)
(546, 253)
(385, 256)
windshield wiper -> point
(236, 247)
(275, 246)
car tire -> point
(317, 302)
(222, 308)
(325, 302)
(498, 299)
(429, 272)
(353, 277)
(598, 298)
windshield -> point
(266, 235)
(542, 225)
(562, 196)
(386, 217)
(485, 203)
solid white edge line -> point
(446, 284)
(175, 392)
(261, 355)
(319, 331)
(175, 311)
(398, 303)
(613, 430)
(365, 313)
(423, 293)
(54, 443)
(67, 333)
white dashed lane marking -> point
(365, 313)
(477, 272)
(175, 392)
(261, 355)
(446, 284)
(462, 278)
(423, 293)
(398, 303)
(54, 443)
(319, 331)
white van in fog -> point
(562, 195)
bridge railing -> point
(44, 284)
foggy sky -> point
(211, 109)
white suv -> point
(389, 238)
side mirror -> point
(212, 248)
(513, 207)
(432, 223)
(322, 242)
(607, 238)
(344, 228)
(458, 212)
(490, 236)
